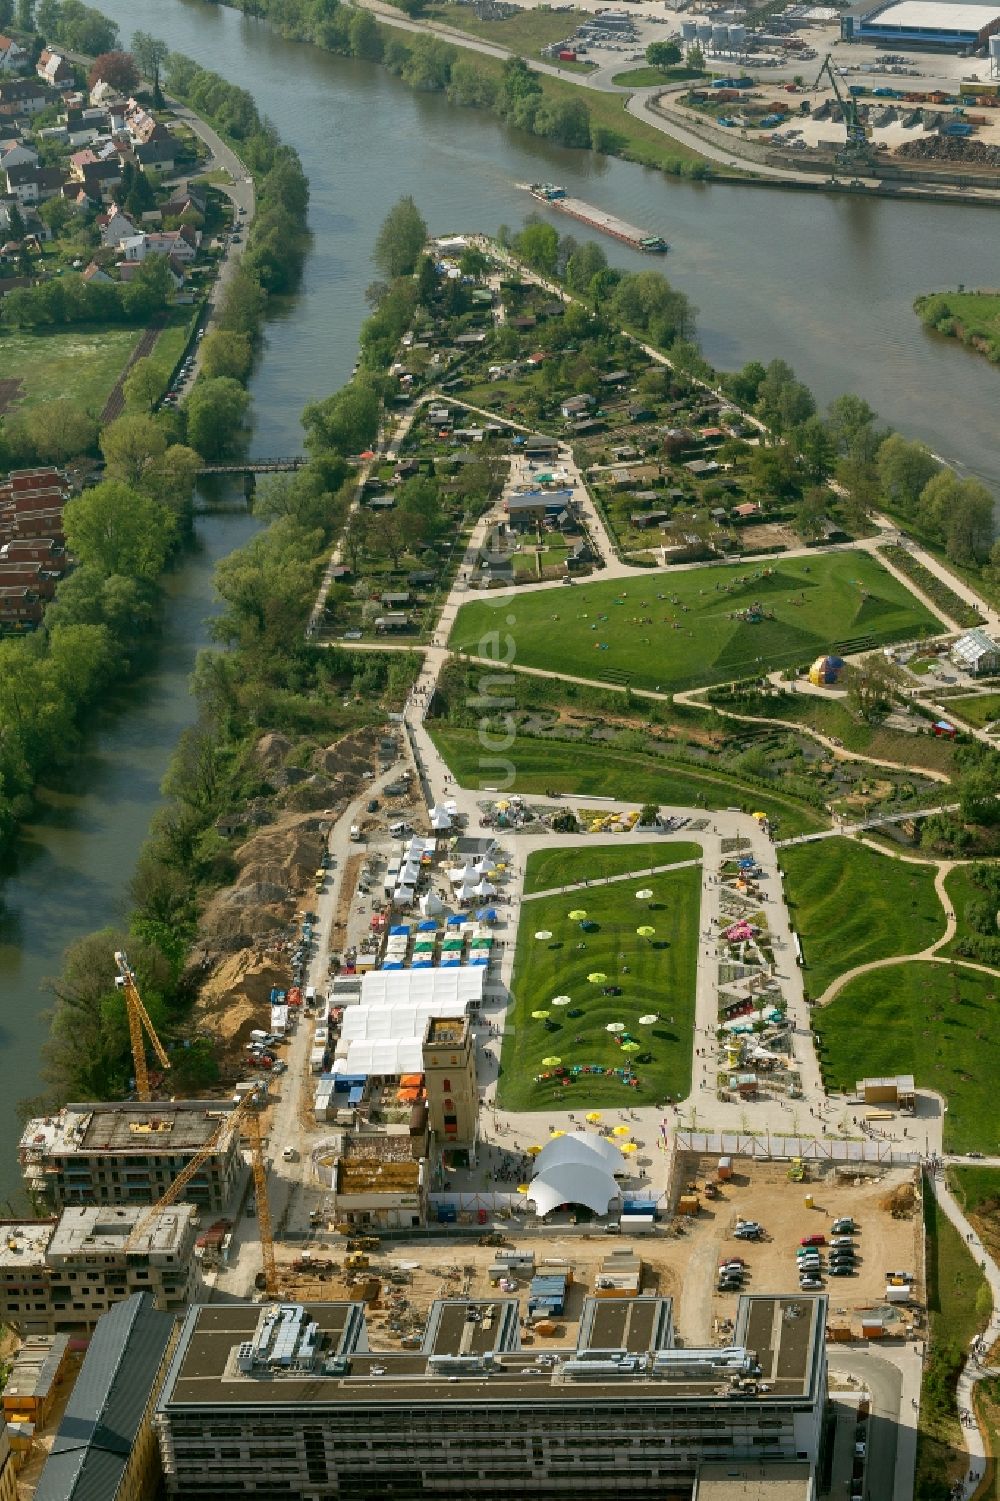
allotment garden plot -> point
(703, 625)
(607, 958)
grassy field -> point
(850, 905)
(966, 893)
(957, 1308)
(81, 363)
(561, 867)
(527, 32)
(977, 709)
(935, 1021)
(569, 767)
(679, 631)
(641, 78)
(655, 975)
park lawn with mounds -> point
(958, 1307)
(562, 867)
(677, 631)
(850, 905)
(81, 363)
(966, 893)
(977, 709)
(834, 718)
(934, 1021)
(568, 767)
(660, 978)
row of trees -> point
(65, 300)
(518, 95)
(69, 23)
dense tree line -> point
(65, 300)
(519, 96)
(70, 24)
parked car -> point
(841, 1269)
(373, 805)
(845, 1226)
(816, 1239)
(810, 1284)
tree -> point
(872, 684)
(56, 213)
(743, 386)
(346, 422)
(977, 794)
(117, 69)
(427, 281)
(773, 473)
(694, 58)
(428, 66)
(815, 447)
(130, 445)
(538, 244)
(171, 478)
(903, 470)
(226, 353)
(959, 511)
(364, 39)
(151, 54)
(649, 815)
(810, 514)
(143, 385)
(214, 411)
(663, 54)
(473, 262)
(59, 430)
(850, 419)
(401, 239)
(587, 261)
(16, 227)
(116, 530)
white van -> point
(397, 830)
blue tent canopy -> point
(456, 921)
(486, 914)
(428, 926)
(400, 928)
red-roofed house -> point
(13, 57)
(53, 68)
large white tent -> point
(573, 1183)
(460, 986)
(390, 1023)
(384, 1059)
(586, 1148)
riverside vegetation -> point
(537, 103)
(124, 531)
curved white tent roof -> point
(586, 1148)
(573, 1183)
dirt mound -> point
(285, 854)
(901, 1203)
(270, 751)
(352, 755)
(235, 998)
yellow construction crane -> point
(138, 1019)
(245, 1116)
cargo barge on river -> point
(608, 224)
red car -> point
(813, 1240)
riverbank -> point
(971, 317)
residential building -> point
(129, 1153)
(32, 184)
(21, 96)
(53, 68)
(977, 652)
(449, 1050)
(62, 1275)
(20, 608)
(17, 154)
(13, 57)
(115, 227)
(105, 1448)
(287, 1399)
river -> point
(825, 283)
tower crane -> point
(244, 1117)
(857, 151)
(138, 1020)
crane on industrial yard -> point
(245, 1117)
(857, 151)
(138, 1021)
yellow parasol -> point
(629, 1146)
(621, 1131)
(593, 1115)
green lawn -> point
(935, 1021)
(674, 631)
(572, 768)
(561, 867)
(527, 32)
(957, 1309)
(966, 894)
(973, 317)
(641, 78)
(978, 709)
(850, 905)
(82, 363)
(655, 974)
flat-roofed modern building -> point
(128, 1153)
(281, 1400)
(962, 26)
(62, 1275)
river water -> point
(825, 283)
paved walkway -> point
(973, 1370)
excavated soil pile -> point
(901, 1203)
